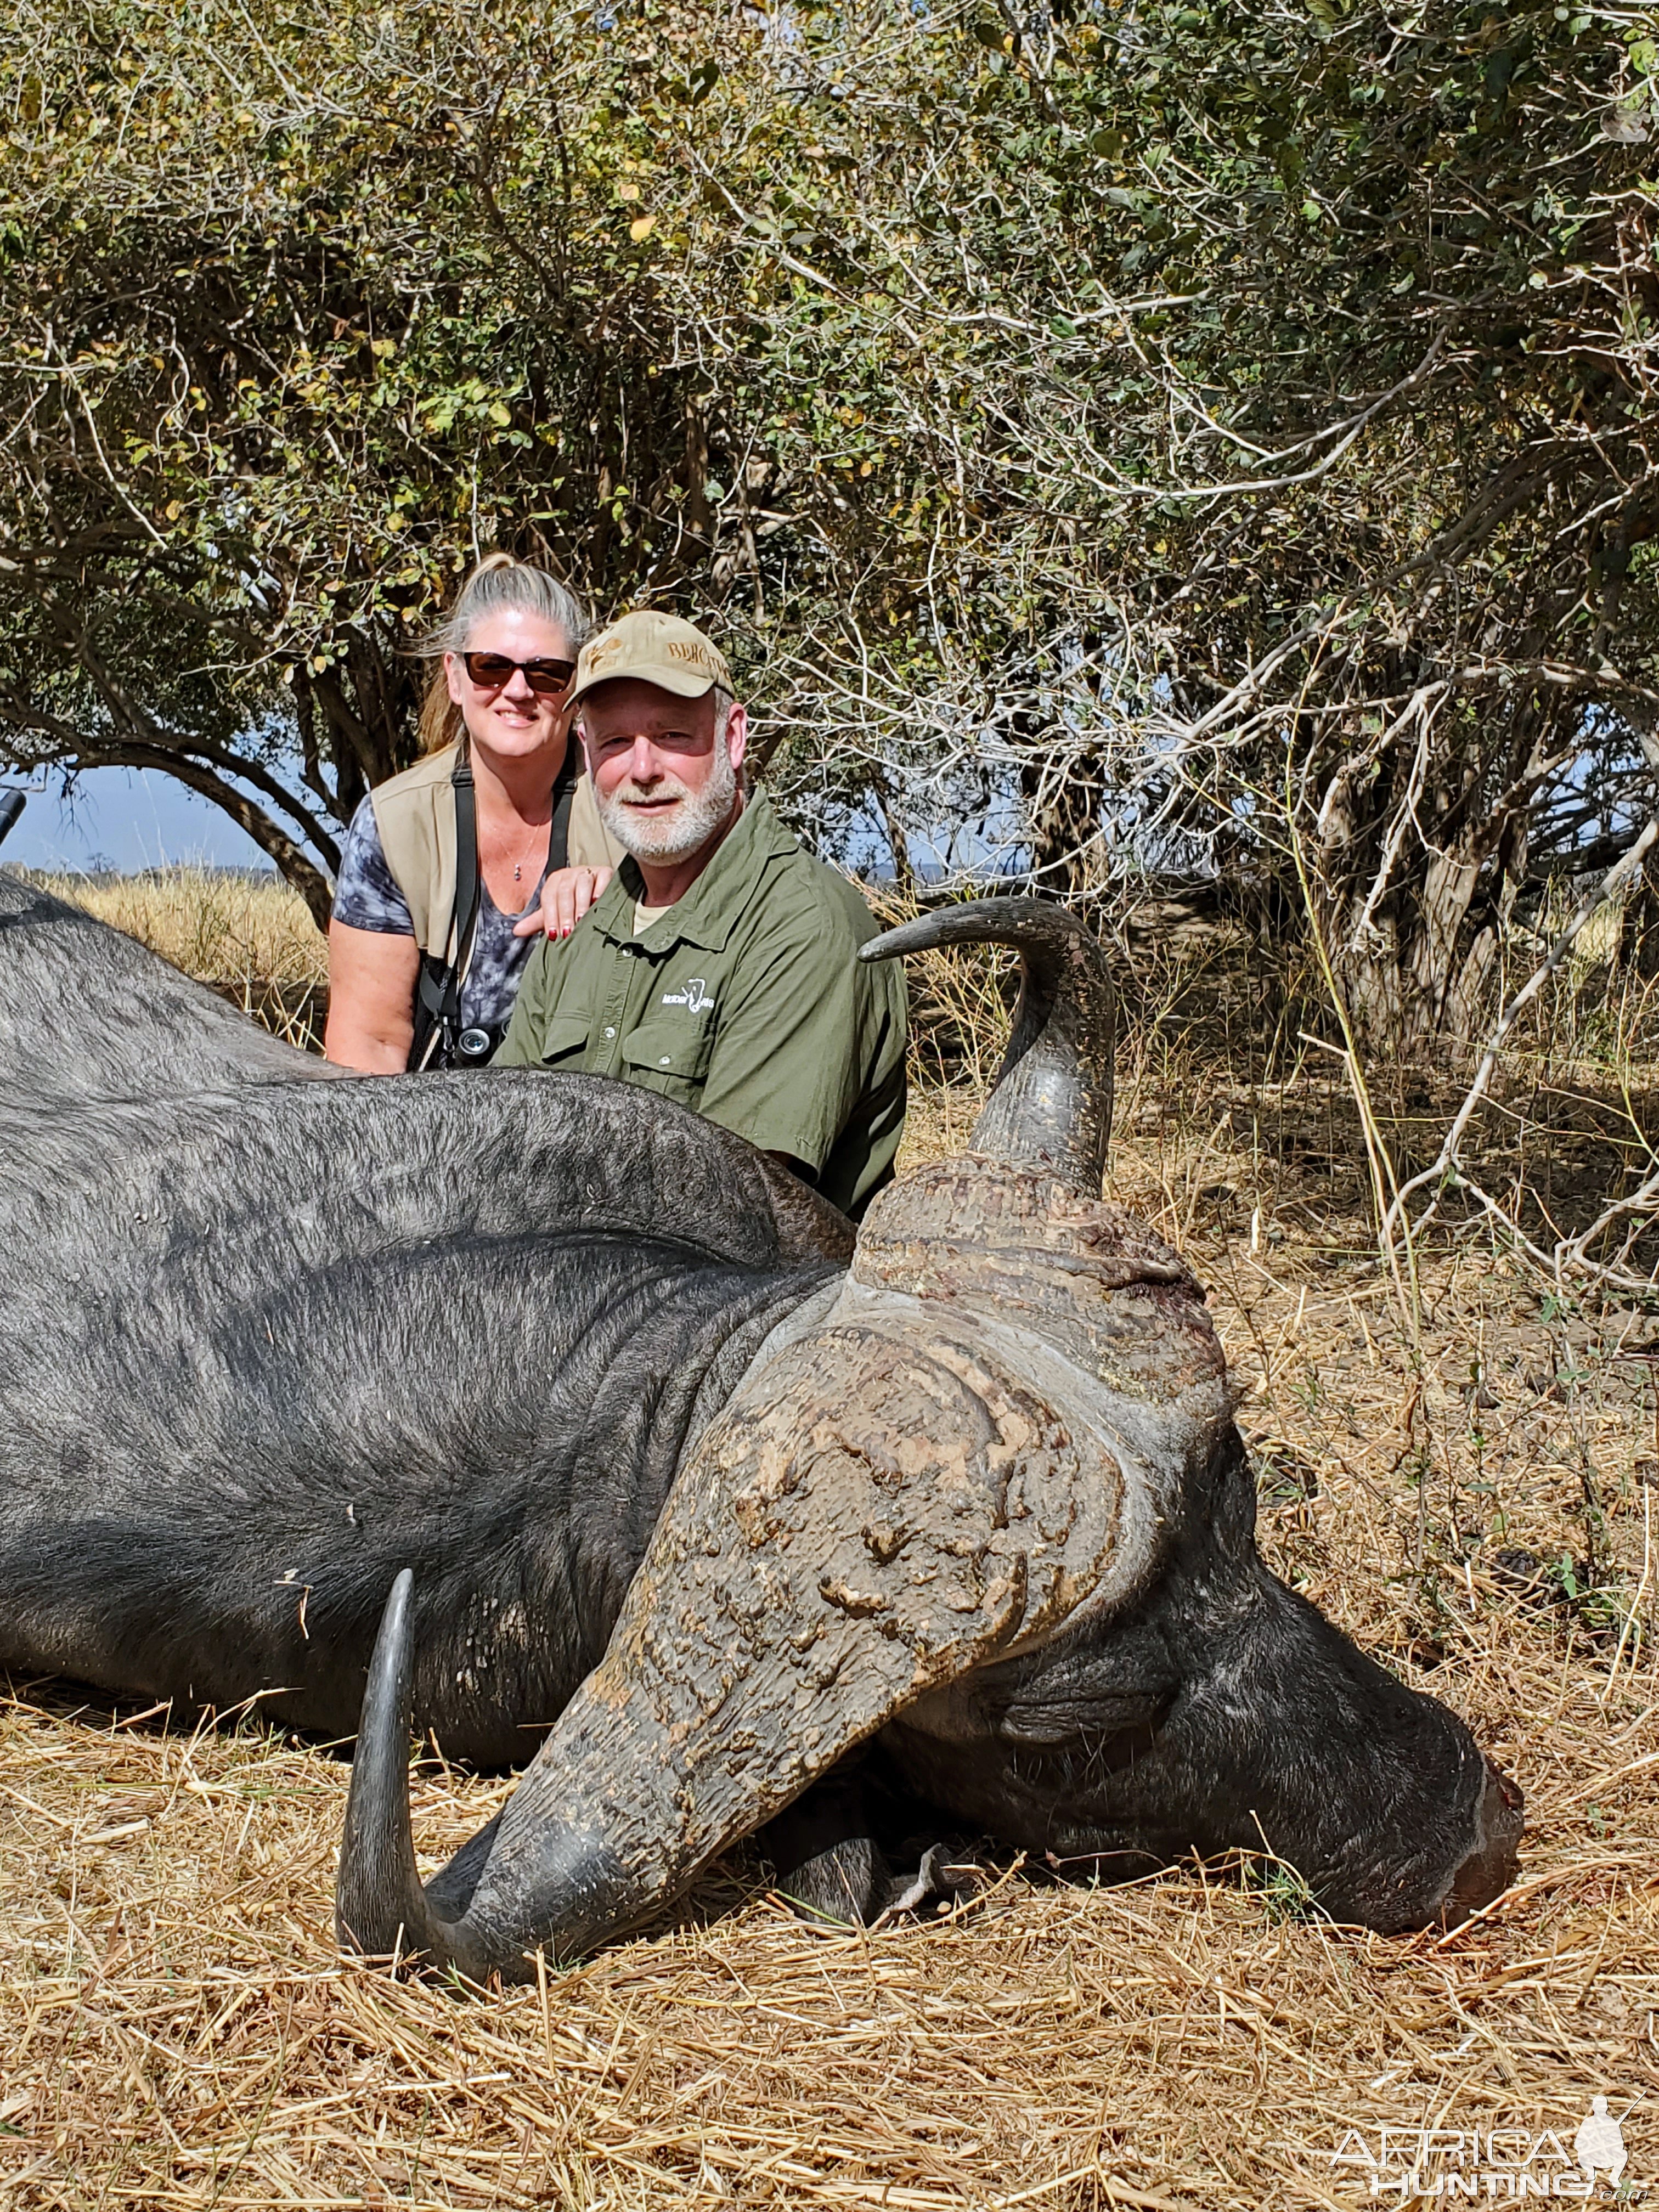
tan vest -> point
(414, 814)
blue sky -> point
(127, 819)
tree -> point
(1109, 439)
(283, 361)
(1283, 391)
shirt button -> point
(610, 1033)
(664, 1061)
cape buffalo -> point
(655, 1461)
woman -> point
(451, 870)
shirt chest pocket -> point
(670, 1056)
(565, 1041)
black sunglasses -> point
(547, 679)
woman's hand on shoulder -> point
(566, 894)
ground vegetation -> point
(1471, 1490)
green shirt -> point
(744, 1002)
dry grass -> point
(177, 2032)
(251, 937)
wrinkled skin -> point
(738, 1524)
(271, 1334)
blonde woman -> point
(452, 872)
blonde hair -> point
(498, 581)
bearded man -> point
(717, 965)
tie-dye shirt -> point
(366, 896)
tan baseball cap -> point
(654, 648)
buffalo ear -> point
(825, 1858)
(845, 1884)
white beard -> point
(663, 839)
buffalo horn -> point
(1052, 1103)
(803, 1585)
(379, 1906)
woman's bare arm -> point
(371, 999)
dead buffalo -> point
(655, 1462)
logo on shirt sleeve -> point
(694, 997)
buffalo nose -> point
(1490, 1868)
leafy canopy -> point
(1109, 435)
